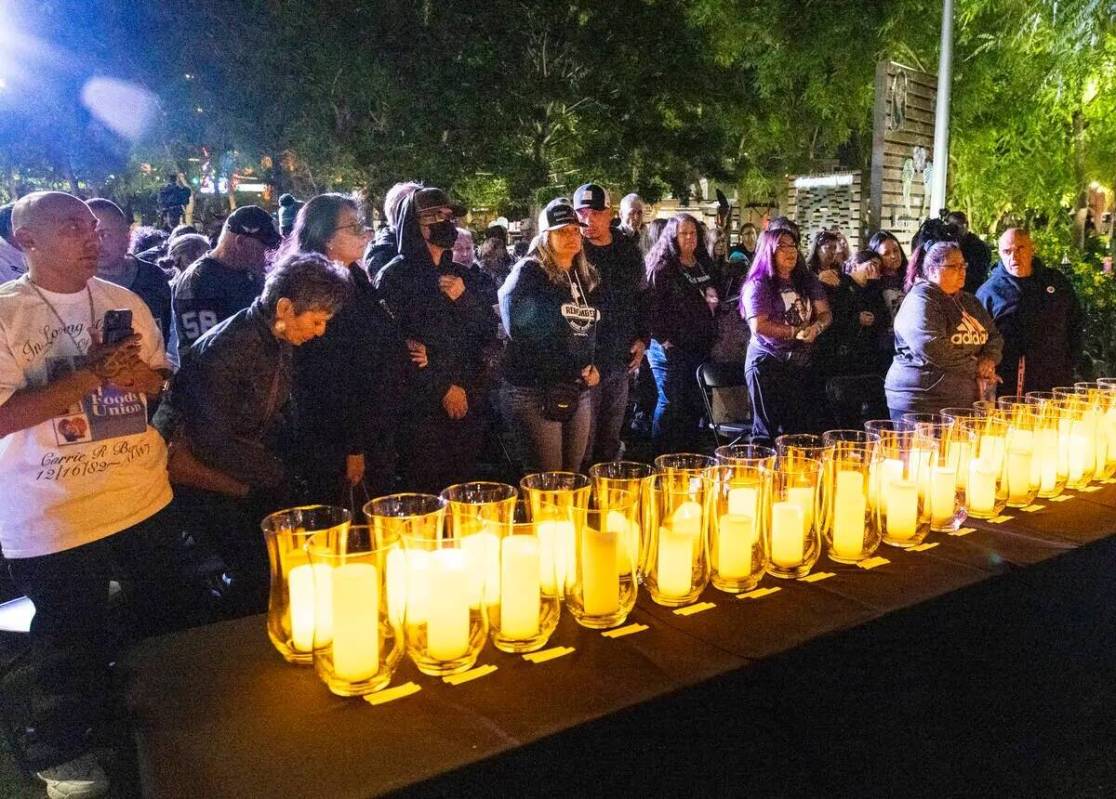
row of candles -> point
(436, 577)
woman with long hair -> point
(786, 307)
(551, 327)
(682, 305)
(946, 344)
(824, 258)
(347, 383)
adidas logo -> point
(969, 331)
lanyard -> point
(61, 321)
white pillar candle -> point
(803, 497)
(921, 458)
(788, 545)
(616, 522)
(397, 585)
(902, 509)
(308, 587)
(418, 586)
(484, 567)
(943, 495)
(1110, 431)
(736, 538)
(675, 568)
(447, 623)
(1047, 458)
(556, 540)
(957, 457)
(742, 501)
(356, 621)
(849, 505)
(992, 450)
(1018, 475)
(982, 485)
(890, 470)
(520, 584)
(1080, 455)
(600, 572)
(1100, 449)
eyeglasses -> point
(435, 215)
(961, 267)
(786, 248)
(356, 228)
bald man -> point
(1037, 311)
(86, 476)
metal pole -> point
(941, 115)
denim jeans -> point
(609, 402)
(679, 408)
(544, 445)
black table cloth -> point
(983, 664)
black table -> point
(983, 665)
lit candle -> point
(902, 509)
(957, 456)
(922, 459)
(1018, 475)
(992, 449)
(615, 522)
(803, 497)
(1080, 455)
(675, 569)
(418, 586)
(520, 583)
(397, 585)
(356, 621)
(849, 505)
(742, 501)
(788, 525)
(556, 540)
(736, 537)
(943, 495)
(891, 470)
(484, 559)
(309, 590)
(1110, 429)
(982, 485)
(1048, 459)
(600, 575)
(447, 623)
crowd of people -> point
(314, 361)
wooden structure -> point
(832, 201)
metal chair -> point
(715, 376)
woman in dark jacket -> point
(229, 409)
(682, 305)
(861, 329)
(347, 382)
(551, 327)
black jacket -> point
(551, 339)
(849, 348)
(456, 334)
(619, 298)
(677, 309)
(380, 250)
(232, 399)
(1039, 317)
(978, 259)
(209, 292)
(348, 383)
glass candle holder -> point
(1053, 467)
(911, 419)
(630, 476)
(945, 453)
(1097, 399)
(848, 526)
(602, 589)
(559, 502)
(745, 454)
(1023, 466)
(801, 445)
(677, 562)
(902, 515)
(879, 430)
(292, 615)
(740, 495)
(684, 462)
(474, 512)
(358, 654)
(1076, 434)
(986, 485)
(791, 529)
(527, 613)
(1108, 385)
(850, 439)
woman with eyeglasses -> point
(346, 381)
(786, 308)
(946, 344)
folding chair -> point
(724, 385)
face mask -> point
(442, 234)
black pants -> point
(63, 686)
(436, 451)
(781, 393)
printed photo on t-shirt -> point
(108, 412)
(796, 308)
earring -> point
(280, 326)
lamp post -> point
(941, 114)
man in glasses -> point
(436, 303)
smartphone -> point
(117, 326)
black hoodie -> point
(456, 334)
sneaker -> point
(80, 778)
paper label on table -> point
(544, 655)
(1090, 489)
(690, 610)
(1109, 481)
(1061, 498)
(391, 694)
(872, 563)
(470, 675)
(923, 547)
(816, 577)
(960, 531)
(1032, 508)
(1000, 519)
(758, 593)
(630, 629)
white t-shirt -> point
(95, 470)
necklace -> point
(61, 321)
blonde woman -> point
(548, 364)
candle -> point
(556, 540)
(1019, 476)
(992, 449)
(483, 550)
(447, 623)
(520, 584)
(742, 501)
(628, 557)
(982, 485)
(921, 459)
(788, 540)
(418, 586)
(736, 537)
(397, 584)
(309, 589)
(891, 470)
(356, 621)
(902, 509)
(803, 497)
(1047, 458)
(849, 505)
(1110, 428)
(957, 456)
(1080, 456)
(943, 495)
(675, 569)
(600, 575)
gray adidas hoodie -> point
(938, 341)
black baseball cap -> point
(251, 220)
(558, 213)
(590, 195)
(431, 199)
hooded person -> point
(385, 244)
(437, 304)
